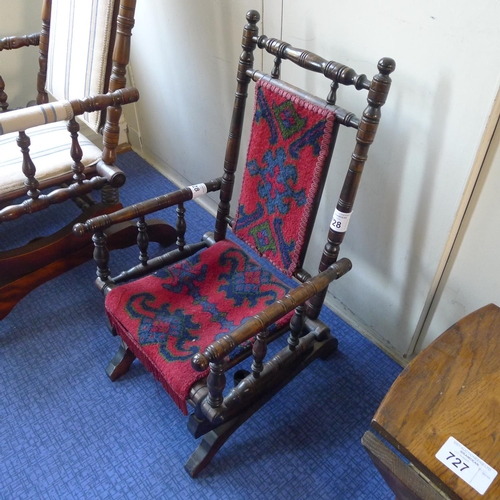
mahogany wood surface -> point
(451, 389)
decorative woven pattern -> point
(286, 157)
(80, 32)
(167, 318)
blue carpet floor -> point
(67, 432)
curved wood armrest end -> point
(111, 173)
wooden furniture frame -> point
(218, 414)
(23, 269)
(450, 389)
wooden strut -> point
(217, 409)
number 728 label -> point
(466, 465)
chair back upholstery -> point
(287, 161)
(291, 145)
(81, 41)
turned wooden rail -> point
(10, 43)
(225, 345)
(141, 209)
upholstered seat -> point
(168, 317)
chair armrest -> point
(141, 209)
(16, 42)
(296, 297)
(23, 119)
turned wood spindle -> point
(42, 96)
(180, 226)
(216, 382)
(276, 71)
(76, 152)
(4, 105)
(296, 326)
(142, 240)
(259, 351)
(118, 78)
(109, 195)
(332, 96)
(101, 255)
(29, 170)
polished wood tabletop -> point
(450, 390)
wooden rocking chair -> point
(84, 50)
(211, 304)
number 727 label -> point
(466, 465)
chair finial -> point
(253, 17)
(386, 65)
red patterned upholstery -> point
(168, 317)
(286, 159)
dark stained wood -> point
(234, 140)
(10, 43)
(377, 95)
(452, 388)
(218, 411)
(118, 79)
(42, 96)
(3, 97)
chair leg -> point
(120, 363)
(215, 439)
(212, 443)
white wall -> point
(19, 70)
(472, 275)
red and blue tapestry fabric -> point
(286, 156)
(168, 317)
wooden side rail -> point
(16, 42)
(141, 209)
(217, 409)
(296, 297)
(60, 195)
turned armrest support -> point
(141, 209)
(296, 297)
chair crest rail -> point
(334, 71)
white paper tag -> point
(198, 190)
(466, 465)
(340, 221)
